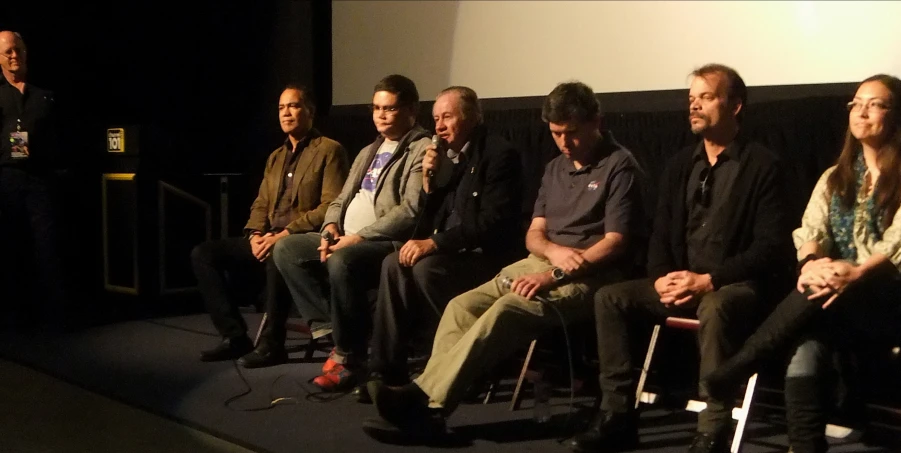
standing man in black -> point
(471, 225)
(720, 236)
(27, 146)
(301, 178)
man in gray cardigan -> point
(328, 274)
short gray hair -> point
(472, 107)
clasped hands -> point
(261, 244)
(680, 287)
(826, 277)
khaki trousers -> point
(488, 323)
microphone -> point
(507, 282)
(439, 147)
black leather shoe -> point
(228, 349)
(608, 432)
(264, 356)
(710, 442)
(398, 405)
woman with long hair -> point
(849, 252)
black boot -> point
(608, 432)
(781, 327)
(228, 349)
(404, 416)
(715, 442)
(265, 355)
(806, 403)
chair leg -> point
(312, 345)
(516, 401)
(263, 321)
(639, 389)
(311, 348)
(492, 390)
(741, 414)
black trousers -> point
(868, 311)
(411, 301)
(30, 249)
(224, 265)
(726, 317)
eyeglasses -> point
(704, 186)
(873, 105)
(388, 109)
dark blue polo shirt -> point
(604, 196)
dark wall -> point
(202, 76)
(200, 79)
(804, 125)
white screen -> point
(524, 48)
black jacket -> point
(487, 199)
(757, 232)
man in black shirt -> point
(27, 144)
(720, 234)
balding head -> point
(12, 54)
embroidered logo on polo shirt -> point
(593, 185)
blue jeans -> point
(336, 290)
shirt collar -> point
(602, 149)
(732, 151)
(457, 157)
(302, 143)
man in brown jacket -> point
(301, 179)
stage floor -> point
(153, 365)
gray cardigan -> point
(398, 193)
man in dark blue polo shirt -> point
(585, 219)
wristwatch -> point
(558, 274)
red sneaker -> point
(330, 363)
(337, 379)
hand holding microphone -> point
(527, 287)
(431, 162)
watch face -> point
(558, 274)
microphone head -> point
(439, 145)
(506, 282)
(439, 142)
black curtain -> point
(807, 133)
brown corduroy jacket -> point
(321, 171)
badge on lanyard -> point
(19, 142)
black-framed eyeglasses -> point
(705, 184)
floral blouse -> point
(815, 227)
